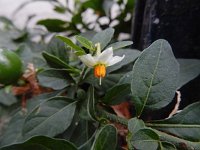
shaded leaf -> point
(106, 138)
(55, 78)
(189, 69)
(185, 124)
(145, 139)
(103, 37)
(42, 143)
(54, 25)
(78, 50)
(55, 62)
(130, 56)
(119, 45)
(117, 94)
(7, 98)
(85, 42)
(49, 118)
(154, 77)
(135, 125)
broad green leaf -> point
(117, 94)
(119, 45)
(13, 133)
(85, 42)
(54, 25)
(42, 143)
(7, 98)
(185, 124)
(130, 56)
(55, 62)
(103, 37)
(78, 50)
(154, 77)
(126, 78)
(135, 125)
(55, 78)
(106, 138)
(189, 69)
(49, 118)
(145, 139)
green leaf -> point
(130, 56)
(55, 78)
(167, 146)
(189, 69)
(106, 138)
(135, 125)
(85, 42)
(58, 49)
(13, 133)
(154, 77)
(7, 98)
(54, 25)
(117, 94)
(42, 143)
(119, 45)
(78, 50)
(185, 124)
(145, 139)
(49, 118)
(55, 62)
(103, 37)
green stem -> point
(171, 125)
(178, 142)
(104, 114)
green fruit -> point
(11, 67)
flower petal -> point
(88, 60)
(105, 56)
(115, 60)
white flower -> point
(100, 61)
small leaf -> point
(185, 124)
(54, 25)
(103, 37)
(121, 44)
(145, 139)
(78, 50)
(167, 146)
(55, 62)
(56, 79)
(189, 69)
(49, 118)
(42, 143)
(117, 94)
(154, 77)
(106, 138)
(85, 42)
(135, 125)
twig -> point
(178, 100)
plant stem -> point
(112, 117)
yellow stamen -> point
(100, 71)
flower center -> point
(100, 71)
